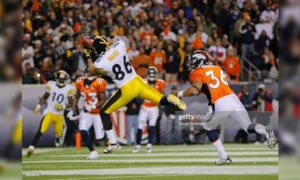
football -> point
(88, 42)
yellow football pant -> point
(56, 119)
(137, 87)
(17, 132)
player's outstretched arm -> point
(41, 102)
(193, 90)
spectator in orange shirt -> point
(231, 65)
(197, 42)
(159, 58)
(141, 63)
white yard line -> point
(256, 159)
(183, 170)
(144, 154)
(43, 150)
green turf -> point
(59, 154)
(158, 177)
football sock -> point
(87, 140)
(36, 138)
(151, 134)
(164, 101)
(138, 136)
(111, 136)
(212, 135)
(149, 145)
(220, 149)
(256, 128)
(107, 124)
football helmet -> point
(100, 45)
(197, 59)
(152, 73)
(61, 78)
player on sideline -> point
(149, 111)
(109, 57)
(92, 90)
(58, 96)
(225, 101)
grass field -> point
(166, 162)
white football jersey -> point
(58, 96)
(116, 64)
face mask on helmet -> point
(100, 45)
(61, 79)
(151, 74)
(197, 59)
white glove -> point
(72, 116)
(89, 107)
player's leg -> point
(119, 99)
(142, 118)
(98, 128)
(85, 124)
(153, 115)
(214, 138)
(150, 93)
(44, 125)
(241, 116)
(58, 123)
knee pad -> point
(212, 135)
(251, 128)
(105, 118)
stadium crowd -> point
(160, 32)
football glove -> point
(73, 116)
(210, 114)
(87, 53)
(59, 107)
(89, 107)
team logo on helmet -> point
(61, 78)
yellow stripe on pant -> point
(56, 119)
(136, 87)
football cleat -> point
(93, 155)
(30, 151)
(222, 161)
(136, 150)
(111, 147)
(149, 150)
(176, 101)
(271, 139)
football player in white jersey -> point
(58, 97)
(109, 57)
(149, 111)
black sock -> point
(36, 138)
(107, 124)
(138, 136)
(87, 140)
(151, 134)
(164, 101)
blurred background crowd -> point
(240, 35)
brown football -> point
(88, 42)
